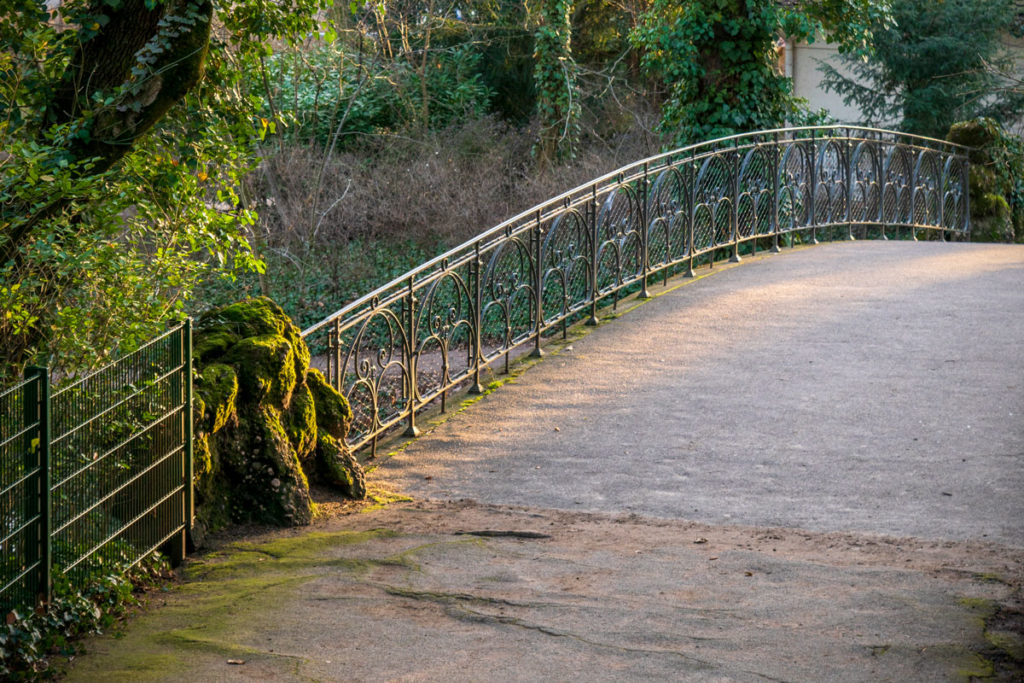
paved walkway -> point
(808, 467)
(858, 387)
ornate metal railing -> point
(404, 345)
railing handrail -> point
(406, 343)
(710, 145)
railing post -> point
(594, 236)
(176, 331)
(190, 504)
(812, 217)
(476, 270)
(734, 214)
(39, 501)
(913, 197)
(849, 187)
(691, 188)
(775, 193)
(966, 190)
(334, 360)
(942, 199)
(537, 235)
(880, 180)
(410, 352)
(644, 235)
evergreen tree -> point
(933, 67)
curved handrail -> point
(508, 286)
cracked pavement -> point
(805, 468)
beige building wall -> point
(801, 61)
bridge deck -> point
(872, 386)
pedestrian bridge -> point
(407, 344)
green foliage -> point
(996, 179)
(325, 91)
(558, 97)
(29, 638)
(717, 60)
(933, 67)
(112, 209)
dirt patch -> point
(465, 591)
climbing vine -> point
(558, 99)
(717, 59)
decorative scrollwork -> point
(410, 341)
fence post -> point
(40, 501)
(476, 270)
(966, 190)
(880, 181)
(538, 284)
(594, 236)
(812, 217)
(176, 548)
(734, 214)
(775, 193)
(849, 187)
(190, 501)
(691, 187)
(644, 236)
(410, 351)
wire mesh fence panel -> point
(119, 449)
(22, 503)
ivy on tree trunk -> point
(558, 100)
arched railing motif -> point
(406, 344)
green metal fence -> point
(97, 471)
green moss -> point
(977, 134)
(1012, 644)
(212, 344)
(300, 423)
(202, 460)
(217, 386)
(266, 369)
(995, 224)
(261, 475)
(257, 318)
(339, 468)
(974, 667)
(333, 413)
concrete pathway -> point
(873, 386)
(809, 467)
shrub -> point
(29, 639)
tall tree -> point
(123, 135)
(717, 59)
(939, 63)
(558, 97)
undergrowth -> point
(30, 641)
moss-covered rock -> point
(977, 134)
(996, 175)
(210, 344)
(267, 481)
(217, 387)
(255, 318)
(993, 222)
(333, 413)
(266, 369)
(300, 423)
(265, 422)
(339, 468)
